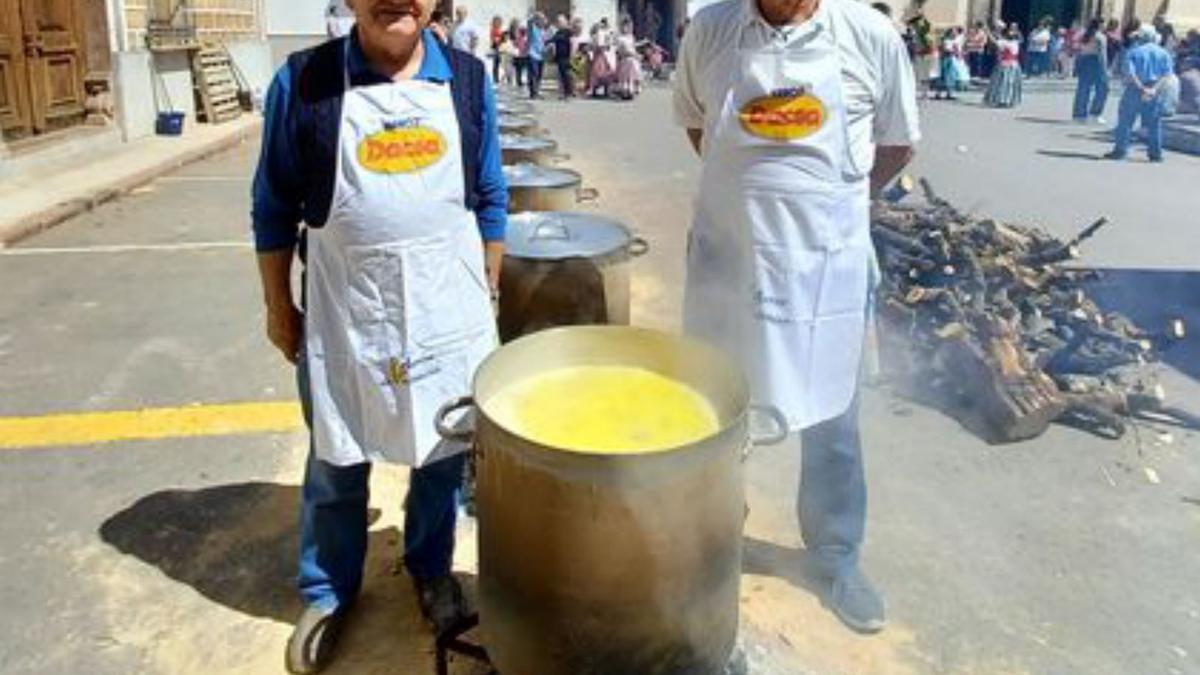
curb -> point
(40, 221)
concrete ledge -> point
(35, 203)
(1182, 134)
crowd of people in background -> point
(1158, 70)
(599, 62)
(947, 61)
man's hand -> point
(696, 138)
(285, 329)
(890, 160)
(285, 323)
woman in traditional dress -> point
(629, 64)
(1004, 89)
(948, 73)
(603, 69)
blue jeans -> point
(1132, 107)
(535, 78)
(832, 503)
(333, 521)
(1091, 94)
(1039, 63)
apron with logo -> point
(399, 312)
(780, 258)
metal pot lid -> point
(514, 108)
(526, 175)
(516, 122)
(554, 235)
(527, 143)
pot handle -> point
(559, 157)
(448, 432)
(587, 194)
(638, 247)
(776, 435)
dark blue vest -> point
(318, 83)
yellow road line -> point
(151, 423)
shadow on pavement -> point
(1042, 120)
(793, 565)
(237, 545)
(1067, 154)
(1152, 298)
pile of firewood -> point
(983, 318)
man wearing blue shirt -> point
(1146, 68)
(537, 53)
(385, 145)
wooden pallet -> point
(215, 84)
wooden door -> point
(54, 56)
(16, 118)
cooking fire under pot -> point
(611, 564)
(543, 188)
(518, 149)
(565, 269)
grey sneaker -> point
(856, 602)
(441, 602)
(312, 643)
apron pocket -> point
(403, 295)
(808, 220)
(786, 283)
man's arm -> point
(696, 136)
(896, 128)
(890, 160)
(689, 109)
(285, 323)
(276, 215)
(492, 210)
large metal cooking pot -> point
(514, 107)
(517, 149)
(611, 564)
(542, 188)
(565, 269)
(518, 124)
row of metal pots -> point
(562, 267)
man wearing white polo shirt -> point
(800, 110)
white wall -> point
(296, 17)
(592, 11)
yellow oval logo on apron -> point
(783, 118)
(403, 150)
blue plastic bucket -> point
(169, 124)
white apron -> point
(780, 258)
(399, 313)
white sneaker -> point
(1101, 121)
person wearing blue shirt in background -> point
(1146, 67)
(537, 53)
(385, 145)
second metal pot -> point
(518, 124)
(541, 188)
(518, 149)
(565, 269)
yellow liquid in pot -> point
(604, 410)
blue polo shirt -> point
(1149, 62)
(537, 42)
(278, 191)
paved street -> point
(175, 554)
